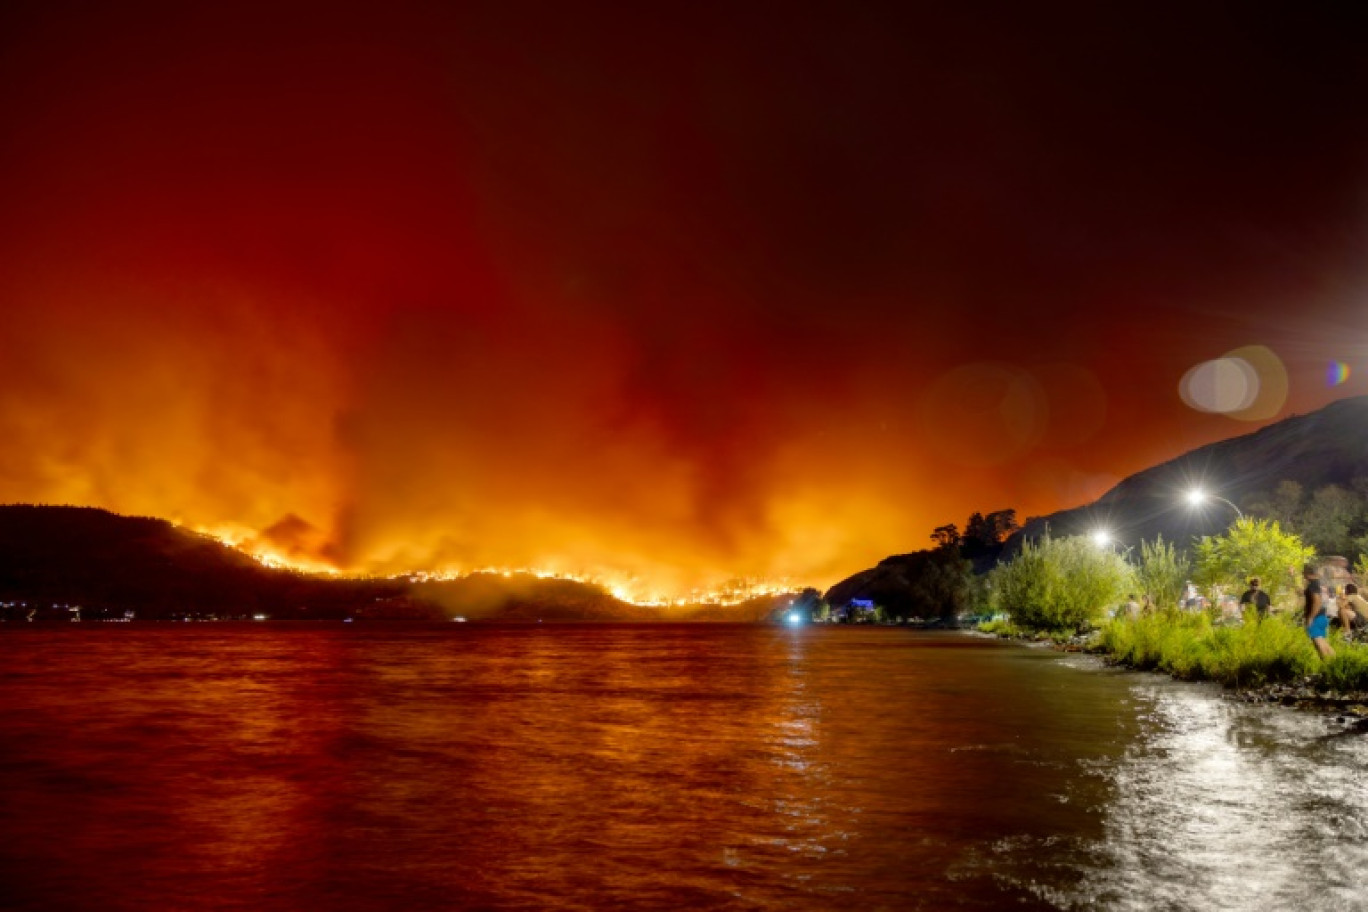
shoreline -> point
(1348, 709)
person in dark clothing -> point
(1256, 597)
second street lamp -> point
(1196, 497)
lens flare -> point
(1248, 384)
(1223, 385)
(1337, 373)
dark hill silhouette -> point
(922, 584)
(109, 564)
(1328, 446)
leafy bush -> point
(1000, 627)
(1252, 547)
(1060, 585)
(1163, 572)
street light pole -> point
(1104, 539)
(1197, 496)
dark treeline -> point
(935, 583)
(982, 537)
(1333, 518)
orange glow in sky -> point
(663, 301)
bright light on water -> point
(1228, 807)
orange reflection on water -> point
(667, 766)
(257, 767)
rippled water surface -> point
(276, 766)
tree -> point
(1284, 505)
(938, 587)
(1163, 572)
(1252, 547)
(946, 536)
(983, 535)
(1003, 523)
(1329, 520)
(978, 536)
(1061, 584)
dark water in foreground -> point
(273, 767)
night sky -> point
(682, 293)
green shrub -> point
(1251, 547)
(1001, 627)
(1348, 670)
(1163, 572)
(1060, 585)
(1188, 646)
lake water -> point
(600, 767)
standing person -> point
(1353, 610)
(1313, 614)
(1256, 598)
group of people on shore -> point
(1323, 605)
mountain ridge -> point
(1326, 446)
(1323, 447)
(56, 558)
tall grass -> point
(1189, 646)
(1006, 628)
(1348, 670)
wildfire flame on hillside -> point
(624, 588)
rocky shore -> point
(1308, 693)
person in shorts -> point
(1313, 613)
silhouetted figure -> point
(1255, 596)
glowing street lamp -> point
(1104, 539)
(1196, 497)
